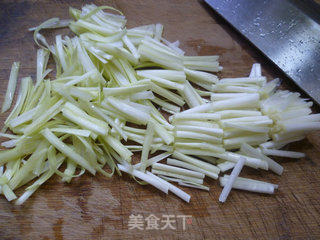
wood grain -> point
(99, 208)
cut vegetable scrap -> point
(12, 83)
(234, 174)
(109, 86)
(249, 184)
(186, 197)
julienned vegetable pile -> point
(112, 85)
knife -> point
(285, 31)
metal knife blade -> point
(286, 31)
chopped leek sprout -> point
(107, 100)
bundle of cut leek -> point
(106, 100)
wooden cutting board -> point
(99, 208)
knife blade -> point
(287, 32)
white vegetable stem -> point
(225, 166)
(182, 171)
(69, 152)
(206, 130)
(272, 165)
(235, 103)
(282, 153)
(146, 145)
(153, 160)
(174, 162)
(11, 87)
(195, 116)
(125, 90)
(234, 174)
(181, 194)
(147, 178)
(199, 136)
(196, 162)
(249, 185)
(175, 175)
(136, 115)
(306, 126)
(198, 186)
